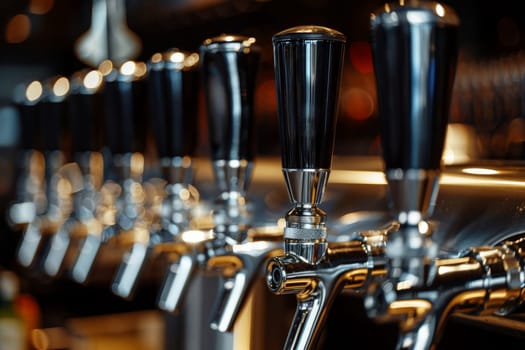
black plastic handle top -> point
(125, 103)
(86, 111)
(229, 65)
(173, 86)
(415, 51)
(308, 64)
(27, 101)
(54, 113)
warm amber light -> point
(361, 57)
(93, 79)
(177, 57)
(18, 29)
(424, 227)
(140, 69)
(39, 339)
(64, 187)
(196, 236)
(61, 87)
(440, 10)
(248, 42)
(358, 104)
(156, 58)
(480, 171)
(105, 67)
(40, 7)
(128, 68)
(137, 163)
(184, 194)
(34, 91)
(191, 60)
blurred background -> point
(39, 39)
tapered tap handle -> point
(86, 111)
(125, 103)
(173, 87)
(414, 48)
(308, 67)
(26, 99)
(229, 65)
(54, 113)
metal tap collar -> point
(414, 12)
(309, 32)
(174, 59)
(229, 43)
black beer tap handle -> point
(125, 104)
(86, 111)
(54, 113)
(414, 49)
(229, 68)
(173, 86)
(27, 100)
(308, 64)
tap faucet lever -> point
(414, 46)
(308, 64)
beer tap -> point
(229, 64)
(49, 113)
(414, 47)
(30, 194)
(173, 88)
(122, 214)
(414, 91)
(415, 51)
(229, 69)
(308, 67)
(85, 173)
